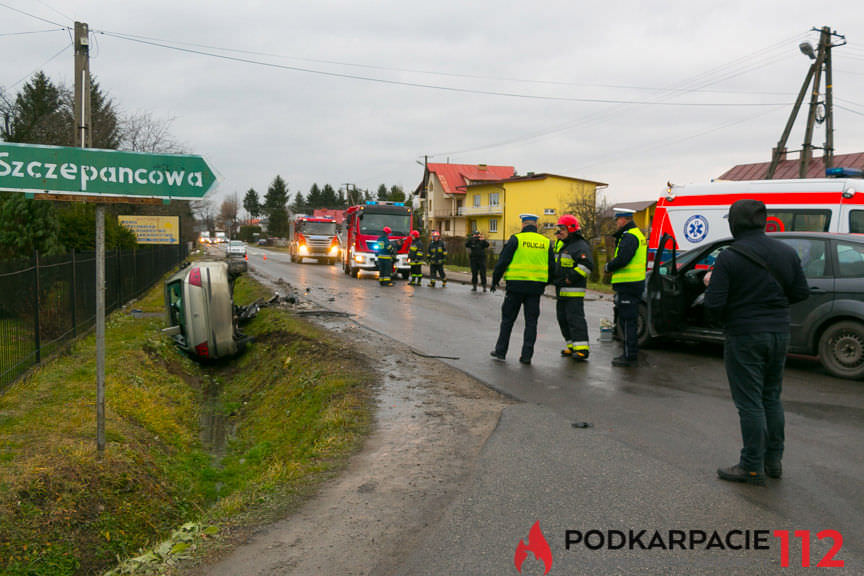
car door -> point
(817, 265)
(664, 294)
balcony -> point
(479, 210)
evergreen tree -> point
(341, 201)
(252, 204)
(382, 192)
(396, 194)
(28, 225)
(314, 199)
(328, 197)
(274, 206)
(37, 116)
(299, 205)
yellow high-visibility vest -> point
(531, 259)
(634, 271)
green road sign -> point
(59, 170)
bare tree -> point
(593, 216)
(142, 132)
(228, 216)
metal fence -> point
(47, 300)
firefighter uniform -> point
(628, 281)
(437, 255)
(525, 262)
(385, 254)
(477, 257)
(573, 265)
(416, 256)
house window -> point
(474, 227)
(493, 224)
(446, 226)
(493, 199)
(548, 225)
(476, 200)
(549, 211)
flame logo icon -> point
(536, 544)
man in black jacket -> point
(750, 289)
(526, 261)
(477, 246)
(573, 265)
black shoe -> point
(523, 360)
(567, 352)
(737, 474)
(773, 469)
(581, 355)
(484, 288)
(496, 356)
(473, 289)
(623, 362)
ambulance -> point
(696, 214)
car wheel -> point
(355, 272)
(841, 349)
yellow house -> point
(493, 208)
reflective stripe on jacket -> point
(531, 259)
(634, 271)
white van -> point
(696, 214)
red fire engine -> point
(364, 224)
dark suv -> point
(829, 324)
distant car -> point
(201, 310)
(235, 248)
(829, 324)
(262, 242)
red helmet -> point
(435, 234)
(415, 233)
(570, 222)
(387, 230)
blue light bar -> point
(844, 173)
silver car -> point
(201, 310)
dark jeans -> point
(478, 266)
(627, 316)
(509, 311)
(436, 270)
(754, 367)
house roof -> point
(454, 177)
(637, 206)
(531, 176)
(788, 169)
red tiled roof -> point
(788, 169)
(454, 177)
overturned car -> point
(203, 320)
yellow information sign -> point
(153, 229)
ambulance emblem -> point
(696, 228)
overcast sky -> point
(334, 91)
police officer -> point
(525, 262)
(416, 256)
(628, 281)
(573, 265)
(437, 256)
(477, 246)
(385, 254)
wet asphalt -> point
(646, 462)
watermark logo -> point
(537, 545)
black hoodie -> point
(746, 296)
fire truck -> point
(364, 224)
(310, 237)
(698, 213)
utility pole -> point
(822, 60)
(84, 139)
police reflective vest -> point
(531, 259)
(634, 271)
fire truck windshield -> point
(322, 228)
(373, 224)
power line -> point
(32, 32)
(31, 15)
(23, 78)
(430, 86)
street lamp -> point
(807, 49)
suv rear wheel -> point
(841, 349)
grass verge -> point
(292, 407)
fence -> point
(49, 300)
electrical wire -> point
(38, 68)
(4, 5)
(32, 32)
(848, 109)
(431, 86)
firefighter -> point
(573, 264)
(628, 280)
(524, 263)
(386, 253)
(477, 246)
(416, 255)
(437, 254)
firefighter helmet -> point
(387, 230)
(415, 233)
(435, 234)
(570, 222)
